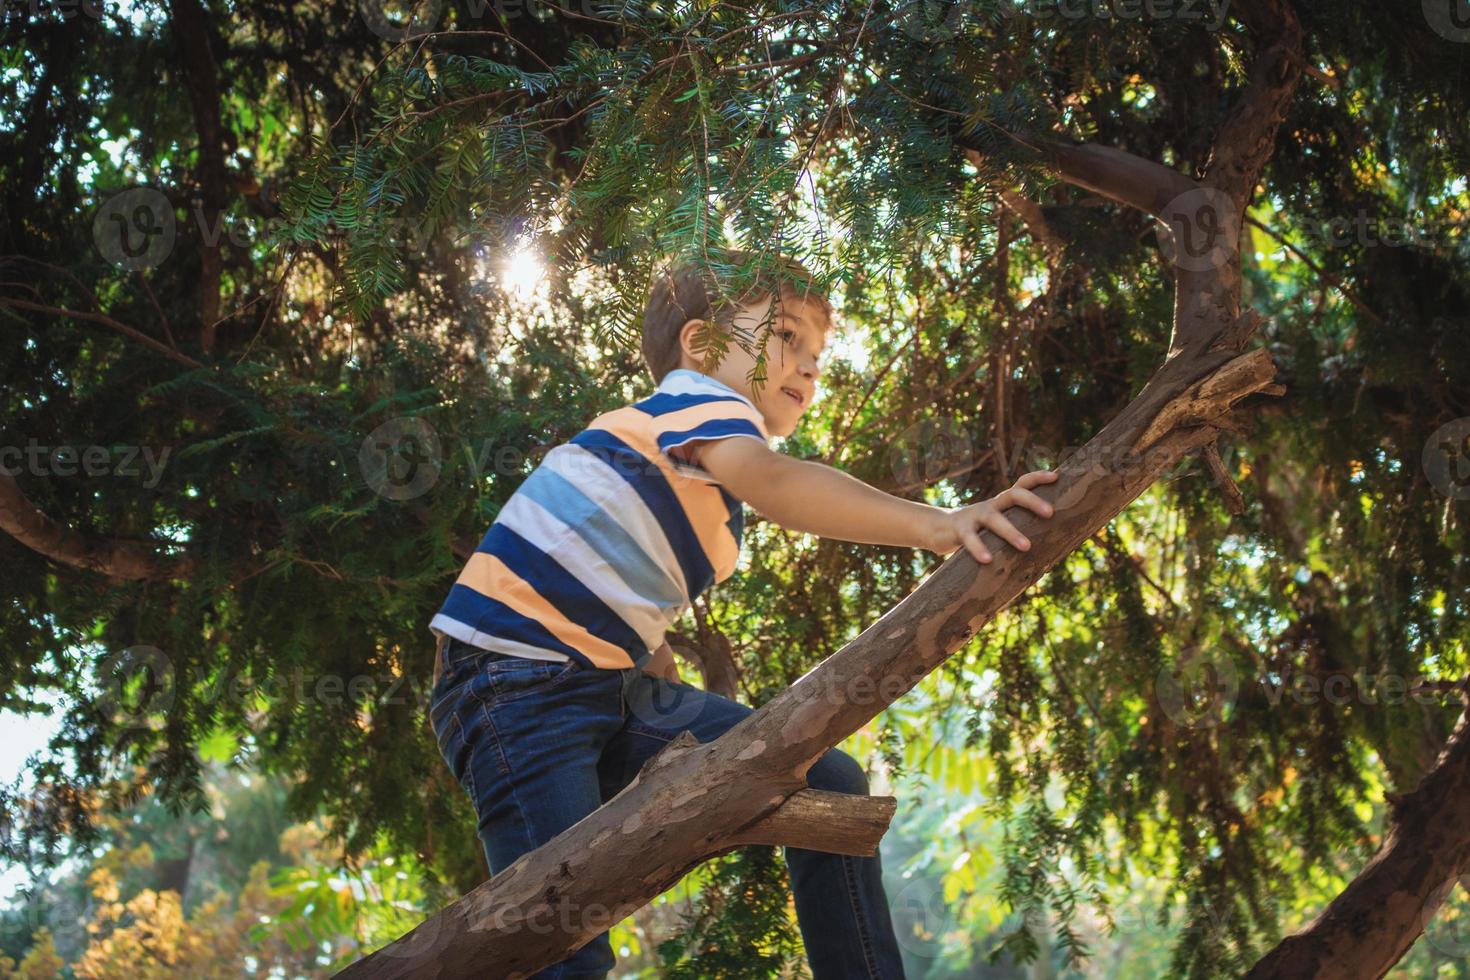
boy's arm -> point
(808, 496)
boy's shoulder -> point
(686, 409)
(684, 396)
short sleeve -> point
(680, 419)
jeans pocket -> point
(455, 751)
(505, 679)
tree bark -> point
(121, 560)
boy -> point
(554, 667)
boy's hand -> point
(662, 664)
(956, 526)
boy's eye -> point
(787, 335)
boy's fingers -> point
(1035, 478)
(1030, 500)
(1007, 530)
(972, 542)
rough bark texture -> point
(196, 54)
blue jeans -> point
(540, 744)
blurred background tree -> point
(296, 295)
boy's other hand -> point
(662, 664)
(957, 526)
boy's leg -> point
(840, 903)
(523, 738)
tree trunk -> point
(1379, 915)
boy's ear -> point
(686, 339)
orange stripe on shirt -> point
(702, 502)
(489, 576)
(688, 418)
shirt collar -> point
(706, 380)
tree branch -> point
(1248, 136)
(123, 328)
(192, 34)
(117, 559)
(837, 823)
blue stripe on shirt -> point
(713, 429)
(664, 402)
(649, 483)
(604, 535)
(561, 588)
(491, 616)
(736, 523)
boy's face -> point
(793, 350)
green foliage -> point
(1050, 779)
(744, 927)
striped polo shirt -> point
(610, 538)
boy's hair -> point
(682, 292)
